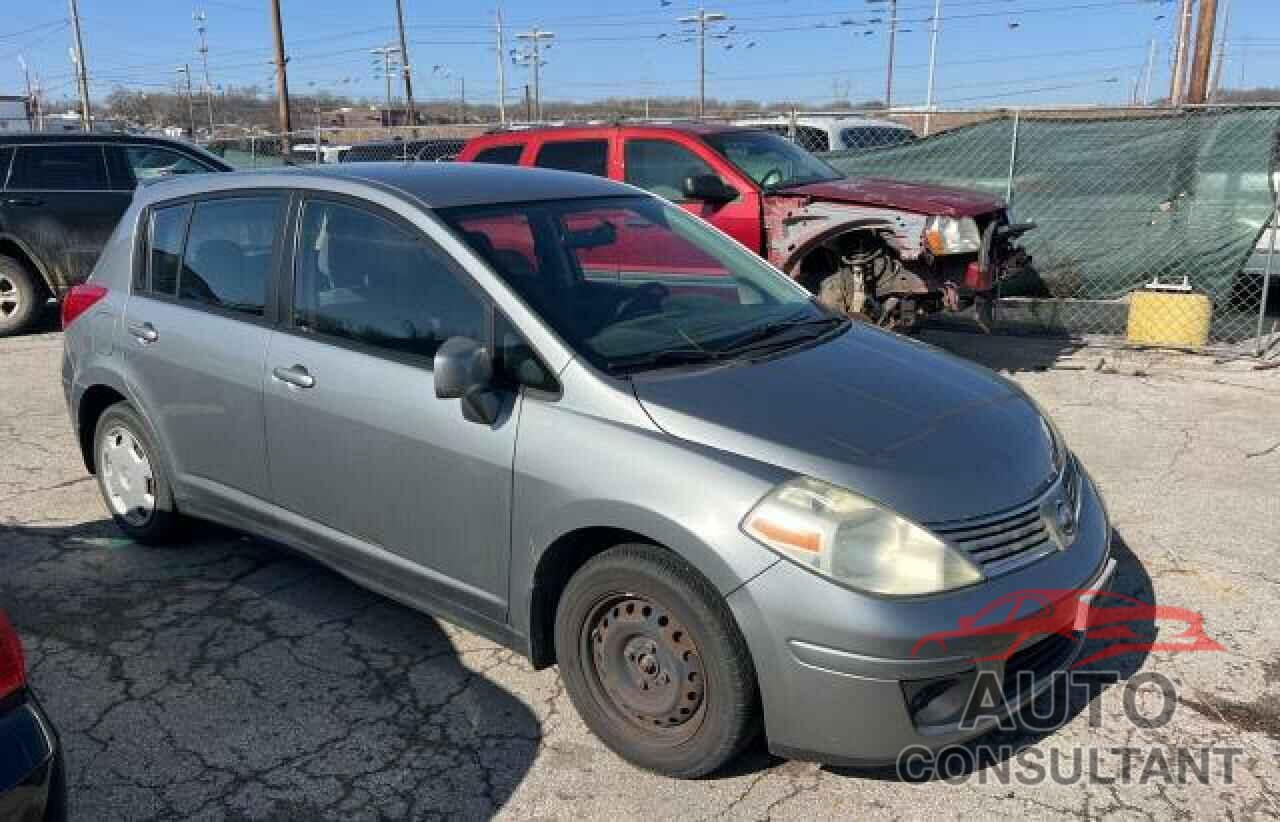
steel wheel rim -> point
(128, 481)
(644, 668)
(10, 297)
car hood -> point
(918, 197)
(933, 437)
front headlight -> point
(949, 235)
(854, 541)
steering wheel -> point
(647, 296)
(773, 177)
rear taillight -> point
(79, 300)
(13, 673)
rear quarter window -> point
(502, 155)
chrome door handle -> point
(29, 202)
(144, 332)
(296, 375)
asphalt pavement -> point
(230, 678)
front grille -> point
(1003, 542)
(1037, 660)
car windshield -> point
(772, 161)
(633, 283)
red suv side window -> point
(508, 155)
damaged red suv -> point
(890, 250)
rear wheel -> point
(131, 477)
(655, 664)
(21, 296)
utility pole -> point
(701, 19)
(82, 74)
(191, 110)
(933, 61)
(893, 41)
(502, 73)
(1151, 65)
(1199, 87)
(386, 53)
(404, 67)
(282, 79)
(1180, 48)
(31, 100)
(200, 17)
(533, 58)
(1222, 52)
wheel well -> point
(558, 564)
(95, 400)
(10, 249)
(825, 257)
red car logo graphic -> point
(1065, 612)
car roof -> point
(437, 185)
(700, 128)
(821, 121)
(29, 137)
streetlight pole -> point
(185, 69)
(200, 18)
(502, 73)
(701, 19)
(893, 42)
(933, 61)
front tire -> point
(21, 296)
(655, 663)
(132, 479)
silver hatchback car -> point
(572, 417)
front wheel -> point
(654, 662)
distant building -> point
(366, 117)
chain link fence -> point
(1158, 224)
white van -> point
(827, 132)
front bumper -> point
(32, 776)
(835, 666)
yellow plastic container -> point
(1169, 317)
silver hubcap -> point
(10, 297)
(127, 478)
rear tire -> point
(655, 664)
(132, 478)
(21, 296)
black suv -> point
(60, 198)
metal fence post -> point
(253, 151)
(1013, 158)
(317, 141)
(1266, 275)
(1008, 197)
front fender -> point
(795, 226)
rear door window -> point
(229, 252)
(503, 155)
(583, 156)
(59, 168)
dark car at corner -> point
(32, 775)
(60, 198)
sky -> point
(990, 52)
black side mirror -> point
(464, 370)
(710, 188)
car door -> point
(60, 204)
(660, 165)
(357, 440)
(197, 326)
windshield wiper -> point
(659, 359)
(753, 339)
